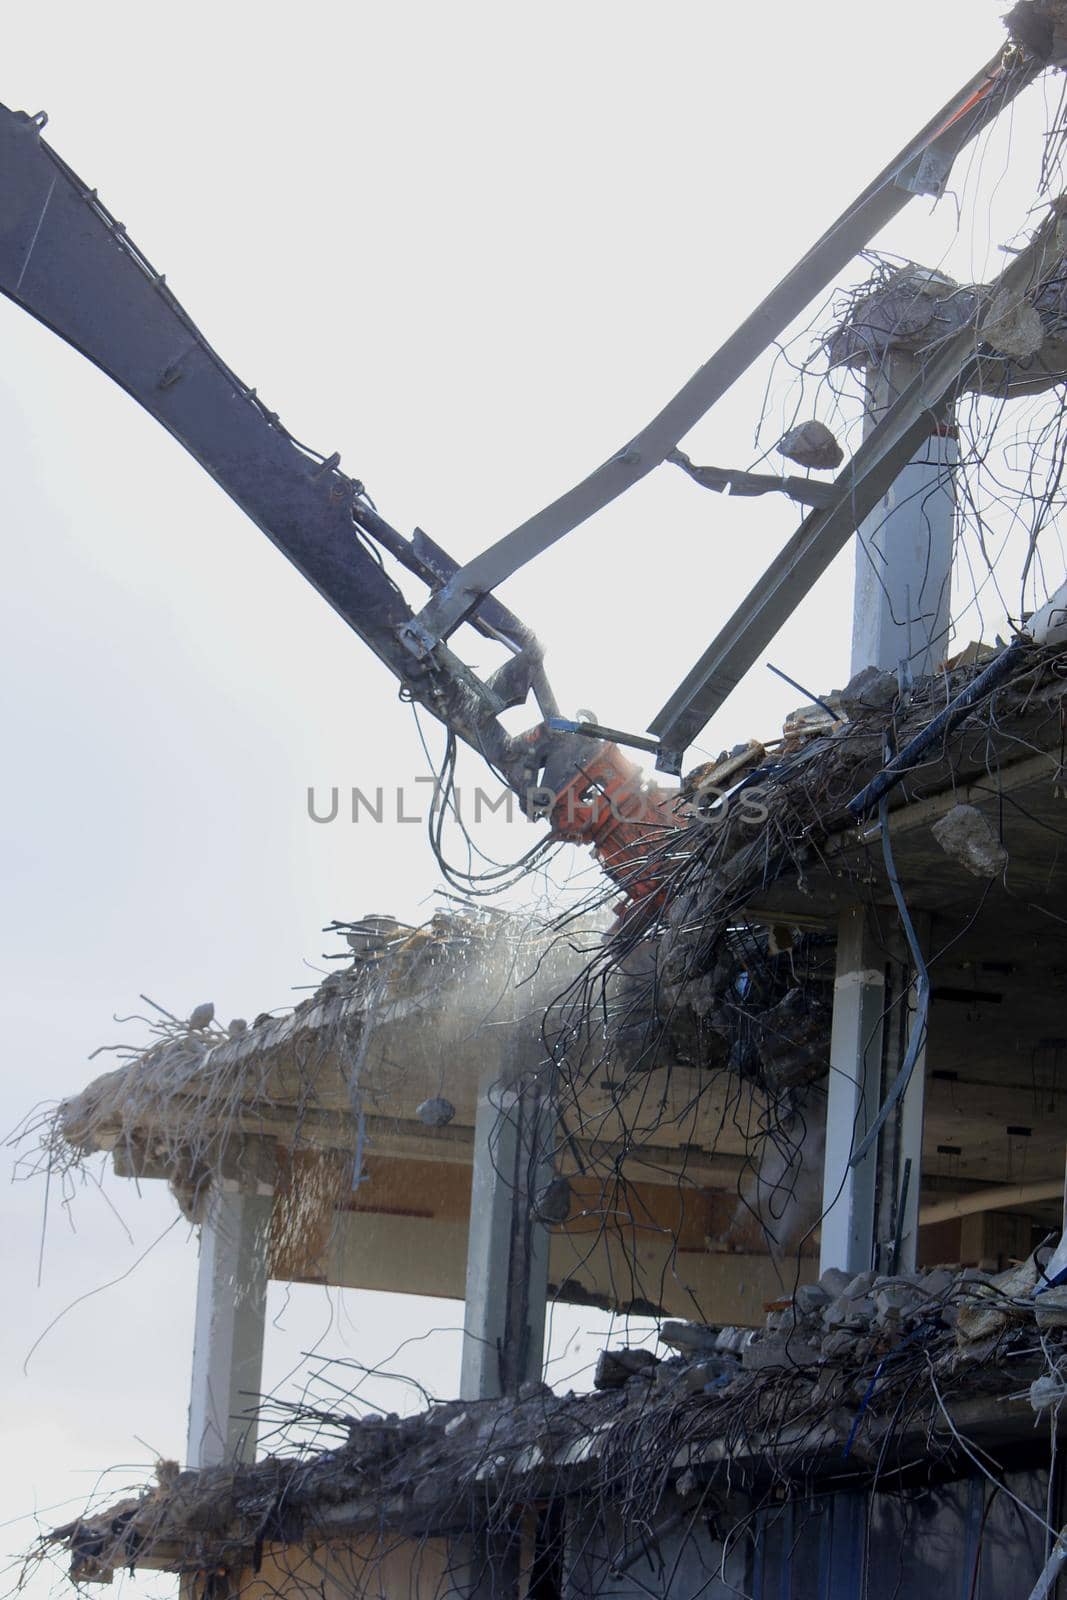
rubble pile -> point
(819, 1388)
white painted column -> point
(903, 583)
(853, 1095)
(507, 1248)
(231, 1299)
(901, 612)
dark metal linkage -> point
(723, 480)
(67, 261)
(921, 167)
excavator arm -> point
(67, 261)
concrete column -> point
(872, 1023)
(901, 612)
(231, 1299)
(507, 1250)
(901, 1143)
(903, 583)
(853, 1096)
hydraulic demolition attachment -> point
(67, 261)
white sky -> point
(473, 248)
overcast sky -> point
(473, 248)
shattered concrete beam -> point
(915, 310)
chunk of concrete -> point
(436, 1112)
(1013, 327)
(1046, 1391)
(616, 1367)
(778, 1350)
(1050, 1308)
(872, 689)
(692, 1338)
(1048, 625)
(896, 1300)
(966, 837)
(997, 1303)
(848, 1311)
(553, 1204)
(811, 444)
(812, 1297)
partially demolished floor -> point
(903, 1381)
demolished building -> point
(802, 1101)
(762, 1442)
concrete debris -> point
(964, 835)
(848, 1311)
(990, 1307)
(202, 1016)
(1048, 625)
(691, 1338)
(811, 1297)
(914, 310)
(911, 309)
(1050, 1308)
(1040, 28)
(534, 1389)
(371, 936)
(1047, 1391)
(870, 690)
(779, 1350)
(711, 780)
(616, 1367)
(732, 1341)
(1013, 328)
(808, 722)
(811, 445)
(436, 1112)
(553, 1204)
(895, 1300)
(798, 1394)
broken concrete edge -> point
(816, 1392)
(1020, 339)
(967, 838)
(178, 1100)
